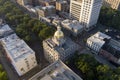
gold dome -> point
(59, 34)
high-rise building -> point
(85, 11)
(115, 4)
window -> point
(22, 69)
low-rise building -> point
(56, 71)
(105, 46)
(62, 6)
(20, 55)
(73, 25)
(115, 34)
(24, 2)
(96, 41)
(31, 9)
(46, 11)
(115, 4)
(111, 51)
(47, 2)
(51, 20)
(59, 47)
(5, 30)
(64, 15)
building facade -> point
(46, 11)
(19, 54)
(115, 4)
(59, 47)
(96, 41)
(105, 46)
(62, 6)
(25, 2)
(56, 71)
(85, 11)
(47, 2)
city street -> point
(81, 40)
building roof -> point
(56, 71)
(61, 49)
(62, 1)
(115, 34)
(47, 0)
(59, 33)
(112, 47)
(99, 38)
(72, 24)
(15, 47)
(4, 29)
(48, 7)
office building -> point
(56, 71)
(19, 54)
(59, 47)
(85, 11)
(115, 4)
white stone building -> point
(59, 47)
(96, 41)
(56, 71)
(20, 55)
(73, 25)
(85, 11)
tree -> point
(86, 63)
(110, 17)
(3, 74)
(46, 33)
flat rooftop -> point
(47, 0)
(56, 71)
(16, 47)
(98, 38)
(72, 24)
(4, 29)
(62, 1)
(113, 47)
(48, 7)
(115, 34)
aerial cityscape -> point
(59, 39)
